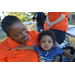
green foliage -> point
(23, 16)
(32, 13)
(20, 15)
(73, 15)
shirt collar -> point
(12, 43)
(29, 39)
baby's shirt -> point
(48, 56)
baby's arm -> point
(65, 53)
(24, 48)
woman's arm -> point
(51, 24)
(23, 48)
(47, 20)
(61, 18)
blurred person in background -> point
(40, 18)
(57, 22)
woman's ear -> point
(9, 36)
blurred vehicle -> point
(25, 23)
(31, 22)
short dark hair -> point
(7, 22)
(47, 32)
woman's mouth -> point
(26, 38)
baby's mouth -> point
(46, 47)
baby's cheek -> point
(42, 45)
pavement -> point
(0, 28)
(71, 25)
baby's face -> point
(46, 43)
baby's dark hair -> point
(47, 32)
(7, 22)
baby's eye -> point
(43, 41)
(49, 41)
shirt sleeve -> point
(59, 51)
(35, 48)
(48, 13)
(65, 13)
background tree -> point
(23, 16)
(20, 15)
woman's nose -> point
(23, 34)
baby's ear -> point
(53, 44)
(39, 43)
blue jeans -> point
(39, 28)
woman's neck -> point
(23, 44)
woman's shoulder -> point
(8, 42)
(4, 41)
(33, 38)
(32, 31)
(4, 44)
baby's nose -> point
(46, 43)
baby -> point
(46, 49)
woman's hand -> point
(50, 25)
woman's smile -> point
(26, 38)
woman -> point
(57, 22)
(18, 35)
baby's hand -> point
(17, 48)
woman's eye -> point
(18, 35)
(24, 29)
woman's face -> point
(46, 43)
(19, 32)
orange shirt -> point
(63, 25)
(7, 55)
